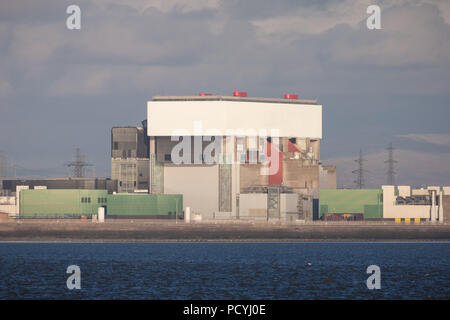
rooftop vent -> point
(291, 96)
(240, 94)
(205, 94)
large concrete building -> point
(236, 157)
(129, 158)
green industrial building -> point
(125, 205)
(367, 203)
(76, 203)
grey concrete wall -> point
(288, 203)
(141, 173)
(199, 186)
(253, 205)
(296, 175)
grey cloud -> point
(433, 138)
(374, 85)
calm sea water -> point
(225, 270)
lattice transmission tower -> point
(360, 182)
(391, 166)
(78, 165)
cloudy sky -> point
(61, 89)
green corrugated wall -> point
(56, 203)
(144, 204)
(365, 201)
(68, 203)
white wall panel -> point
(292, 120)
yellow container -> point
(407, 220)
(416, 220)
(398, 220)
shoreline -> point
(169, 231)
(78, 241)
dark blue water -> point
(225, 270)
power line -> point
(391, 166)
(360, 171)
(78, 166)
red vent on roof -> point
(240, 94)
(291, 96)
(205, 94)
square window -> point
(167, 157)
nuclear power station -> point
(222, 158)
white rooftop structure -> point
(232, 115)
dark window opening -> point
(167, 157)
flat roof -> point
(230, 116)
(232, 98)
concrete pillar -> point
(388, 201)
(101, 214)
(441, 208)
(187, 215)
(433, 206)
(18, 190)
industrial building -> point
(8, 186)
(238, 157)
(225, 158)
(10, 189)
(400, 204)
(44, 204)
(130, 158)
(350, 204)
